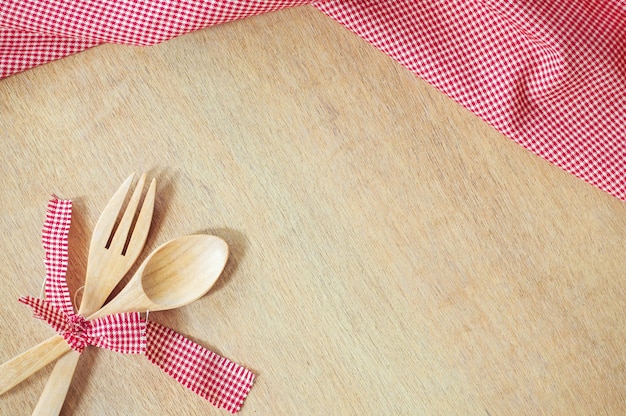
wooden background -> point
(390, 252)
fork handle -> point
(53, 395)
(19, 368)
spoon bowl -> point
(174, 274)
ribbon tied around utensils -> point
(222, 382)
(124, 332)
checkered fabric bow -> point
(217, 379)
(124, 333)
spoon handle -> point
(19, 368)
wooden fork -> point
(112, 252)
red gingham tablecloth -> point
(550, 75)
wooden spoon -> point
(175, 274)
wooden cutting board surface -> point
(390, 252)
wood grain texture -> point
(390, 252)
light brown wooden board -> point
(390, 252)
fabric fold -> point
(545, 74)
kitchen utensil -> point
(112, 252)
(175, 274)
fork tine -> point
(110, 261)
(142, 226)
(120, 235)
(106, 222)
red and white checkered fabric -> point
(217, 379)
(33, 32)
(54, 235)
(549, 75)
(124, 333)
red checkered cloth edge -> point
(33, 32)
(549, 75)
(217, 379)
